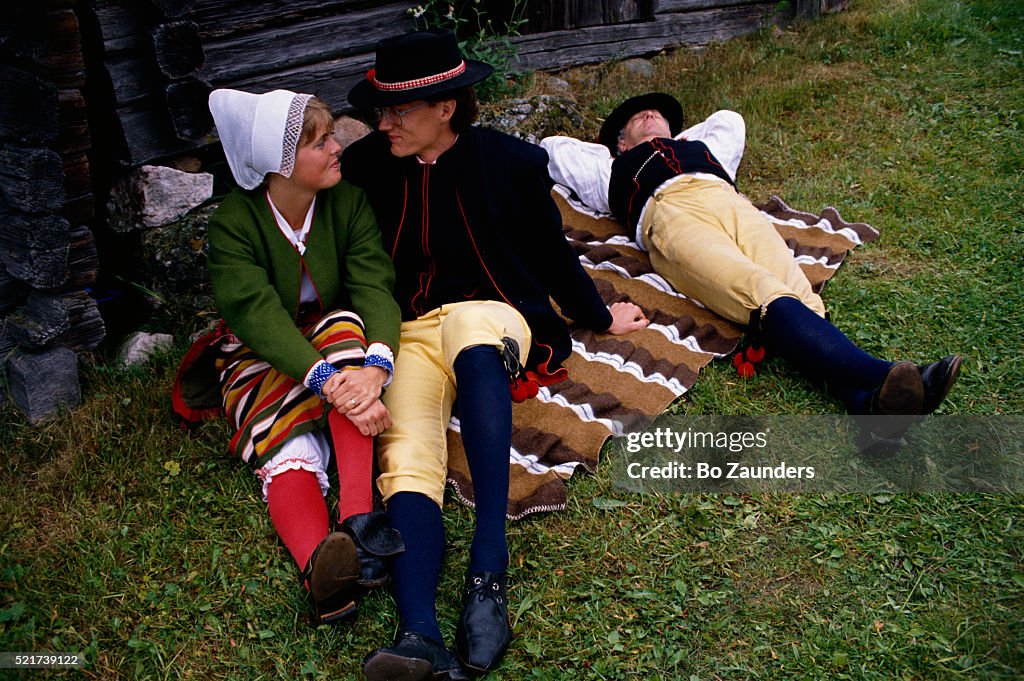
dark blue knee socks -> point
(821, 351)
(415, 572)
(485, 414)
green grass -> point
(150, 550)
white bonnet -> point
(259, 133)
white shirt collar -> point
(434, 162)
(297, 239)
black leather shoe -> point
(330, 576)
(938, 378)
(484, 633)
(413, 657)
(902, 391)
(375, 540)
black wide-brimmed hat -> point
(415, 66)
(668, 105)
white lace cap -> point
(259, 133)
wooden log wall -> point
(162, 58)
(808, 9)
(150, 56)
(47, 250)
(556, 15)
(673, 23)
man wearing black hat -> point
(711, 243)
(476, 239)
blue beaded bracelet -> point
(321, 372)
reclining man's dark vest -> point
(645, 167)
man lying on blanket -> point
(678, 192)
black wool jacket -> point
(479, 224)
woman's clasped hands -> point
(356, 394)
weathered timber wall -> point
(160, 66)
(676, 22)
(47, 251)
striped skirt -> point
(264, 406)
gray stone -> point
(153, 196)
(534, 118)
(640, 67)
(43, 384)
(347, 130)
(140, 346)
(556, 84)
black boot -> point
(375, 540)
(484, 632)
(413, 657)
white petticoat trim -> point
(308, 452)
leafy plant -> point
(481, 39)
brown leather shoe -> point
(938, 378)
(902, 391)
(331, 576)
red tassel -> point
(755, 354)
(745, 370)
(523, 389)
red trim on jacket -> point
(401, 221)
(669, 155)
(424, 243)
(476, 250)
(542, 375)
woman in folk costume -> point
(307, 340)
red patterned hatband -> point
(418, 82)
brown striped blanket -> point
(619, 384)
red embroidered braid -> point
(371, 76)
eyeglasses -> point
(394, 116)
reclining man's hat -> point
(415, 66)
(668, 105)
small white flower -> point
(416, 11)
